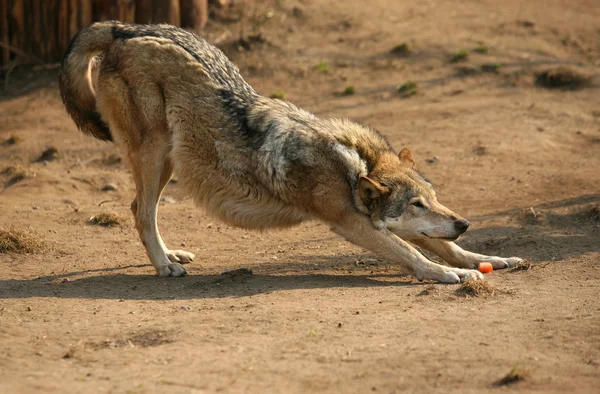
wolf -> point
(173, 103)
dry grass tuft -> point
(19, 241)
(49, 154)
(148, 338)
(531, 216)
(239, 275)
(481, 49)
(407, 89)
(476, 288)
(107, 219)
(522, 266)
(15, 174)
(402, 49)
(459, 56)
(490, 67)
(280, 94)
(12, 140)
(430, 290)
(515, 375)
(480, 150)
(561, 78)
(591, 213)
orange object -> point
(485, 268)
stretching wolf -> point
(173, 102)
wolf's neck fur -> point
(266, 113)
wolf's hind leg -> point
(175, 256)
(458, 257)
(152, 170)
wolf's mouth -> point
(442, 238)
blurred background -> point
(35, 31)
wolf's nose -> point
(461, 225)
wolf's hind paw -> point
(172, 269)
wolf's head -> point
(398, 198)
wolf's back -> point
(75, 81)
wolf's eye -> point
(418, 204)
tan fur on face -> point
(432, 221)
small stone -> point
(109, 187)
(48, 155)
(167, 199)
(298, 12)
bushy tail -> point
(75, 81)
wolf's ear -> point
(370, 191)
(406, 156)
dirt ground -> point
(316, 314)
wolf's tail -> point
(75, 80)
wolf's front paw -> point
(172, 269)
(459, 275)
(180, 256)
(512, 261)
(504, 262)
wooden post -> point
(166, 11)
(194, 14)
(17, 25)
(86, 13)
(4, 30)
(80, 15)
(34, 11)
(62, 27)
(143, 11)
(74, 20)
(49, 24)
(126, 10)
(43, 28)
(105, 10)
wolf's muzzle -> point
(461, 225)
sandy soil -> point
(522, 162)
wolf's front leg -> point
(359, 230)
(458, 257)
